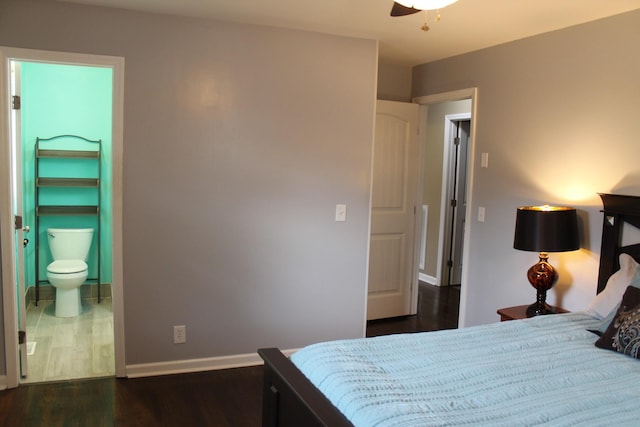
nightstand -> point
(520, 312)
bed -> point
(544, 370)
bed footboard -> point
(289, 399)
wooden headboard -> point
(618, 210)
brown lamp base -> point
(537, 309)
(542, 277)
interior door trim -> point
(8, 54)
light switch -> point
(484, 160)
(341, 213)
(480, 214)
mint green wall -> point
(62, 100)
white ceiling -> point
(465, 26)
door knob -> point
(26, 229)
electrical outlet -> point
(179, 334)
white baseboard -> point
(427, 279)
(3, 382)
(196, 365)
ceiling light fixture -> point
(426, 4)
(409, 7)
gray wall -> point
(557, 115)
(394, 82)
(238, 143)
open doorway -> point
(14, 232)
(437, 242)
(64, 151)
(447, 170)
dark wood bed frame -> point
(289, 398)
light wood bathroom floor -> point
(70, 348)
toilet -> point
(68, 271)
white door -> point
(392, 272)
(21, 229)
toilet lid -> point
(67, 266)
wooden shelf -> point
(67, 154)
(67, 210)
(67, 182)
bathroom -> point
(59, 99)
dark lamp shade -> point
(546, 229)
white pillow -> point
(605, 301)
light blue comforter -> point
(540, 371)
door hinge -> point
(15, 102)
(454, 203)
(456, 140)
(18, 222)
(449, 263)
(22, 337)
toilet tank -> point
(69, 243)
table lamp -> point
(545, 229)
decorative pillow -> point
(623, 333)
(605, 302)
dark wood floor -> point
(230, 397)
(437, 309)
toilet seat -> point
(67, 266)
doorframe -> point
(8, 54)
(457, 95)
